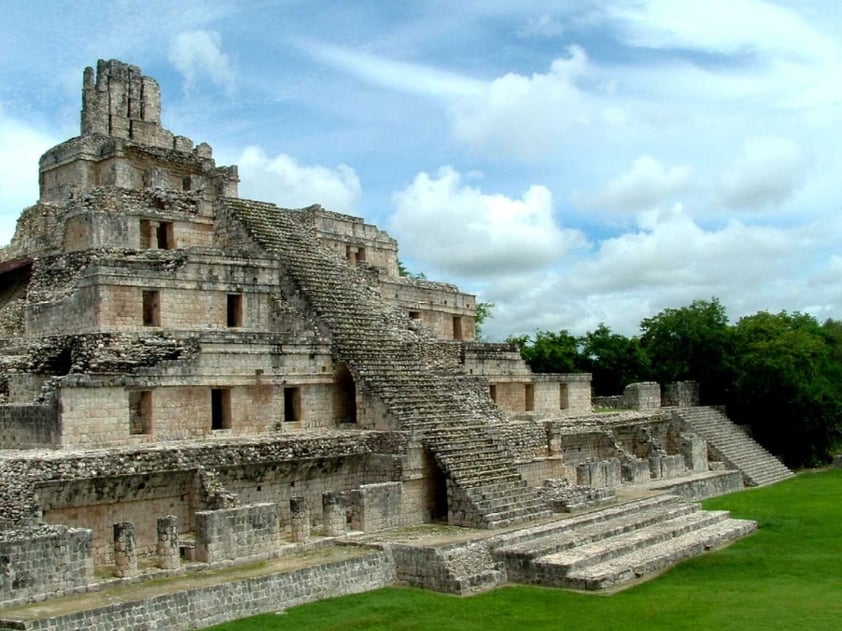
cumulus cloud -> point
(766, 173)
(668, 261)
(20, 148)
(282, 180)
(647, 184)
(198, 54)
(530, 115)
(457, 228)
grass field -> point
(786, 576)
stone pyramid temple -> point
(189, 379)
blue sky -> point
(575, 163)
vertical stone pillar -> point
(167, 548)
(125, 549)
(333, 510)
(299, 519)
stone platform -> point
(607, 548)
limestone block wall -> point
(93, 416)
(352, 238)
(583, 446)
(51, 318)
(201, 607)
(245, 533)
(525, 440)
(50, 561)
(441, 308)
(511, 396)
(683, 394)
(376, 506)
(29, 427)
(122, 307)
(279, 481)
(494, 359)
(642, 396)
(96, 504)
(577, 389)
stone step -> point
(568, 524)
(604, 549)
(649, 560)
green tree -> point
(692, 342)
(483, 314)
(402, 271)
(550, 352)
(787, 384)
(613, 360)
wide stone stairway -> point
(734, 447)
(435, 401)
(607, 548)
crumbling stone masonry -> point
(188, 378)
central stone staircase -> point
(449, 411)
(734, 447)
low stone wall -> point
(461, 568)
(50, 561)
(703, 488)
(682, 394)
(215, 604)
(29, 427)
(243, 534)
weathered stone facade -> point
(191, 377)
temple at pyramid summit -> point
(191, 381)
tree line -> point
(780, 374)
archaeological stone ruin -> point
(191, 381)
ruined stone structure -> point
(191, 378)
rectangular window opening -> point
(414, 315)
(220, 408)
(151, 308)
(164, 235)
(292, 404)
(361, 255)
(529, 396)
(563, 397)
(235, 310)
(492, 391)
(140, 412)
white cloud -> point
(20, 148)
(668, 262)
(646, 184)
(395, 75)
(530, 116)
(766, 173)
(721, 26)
(284, 181)
(198, 53)
(459, 229)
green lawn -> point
(788, 575)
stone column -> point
(125, 549)
(333, 510)
(299, 519)
(167, 548)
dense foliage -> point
(781, 374)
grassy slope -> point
(786, 576)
